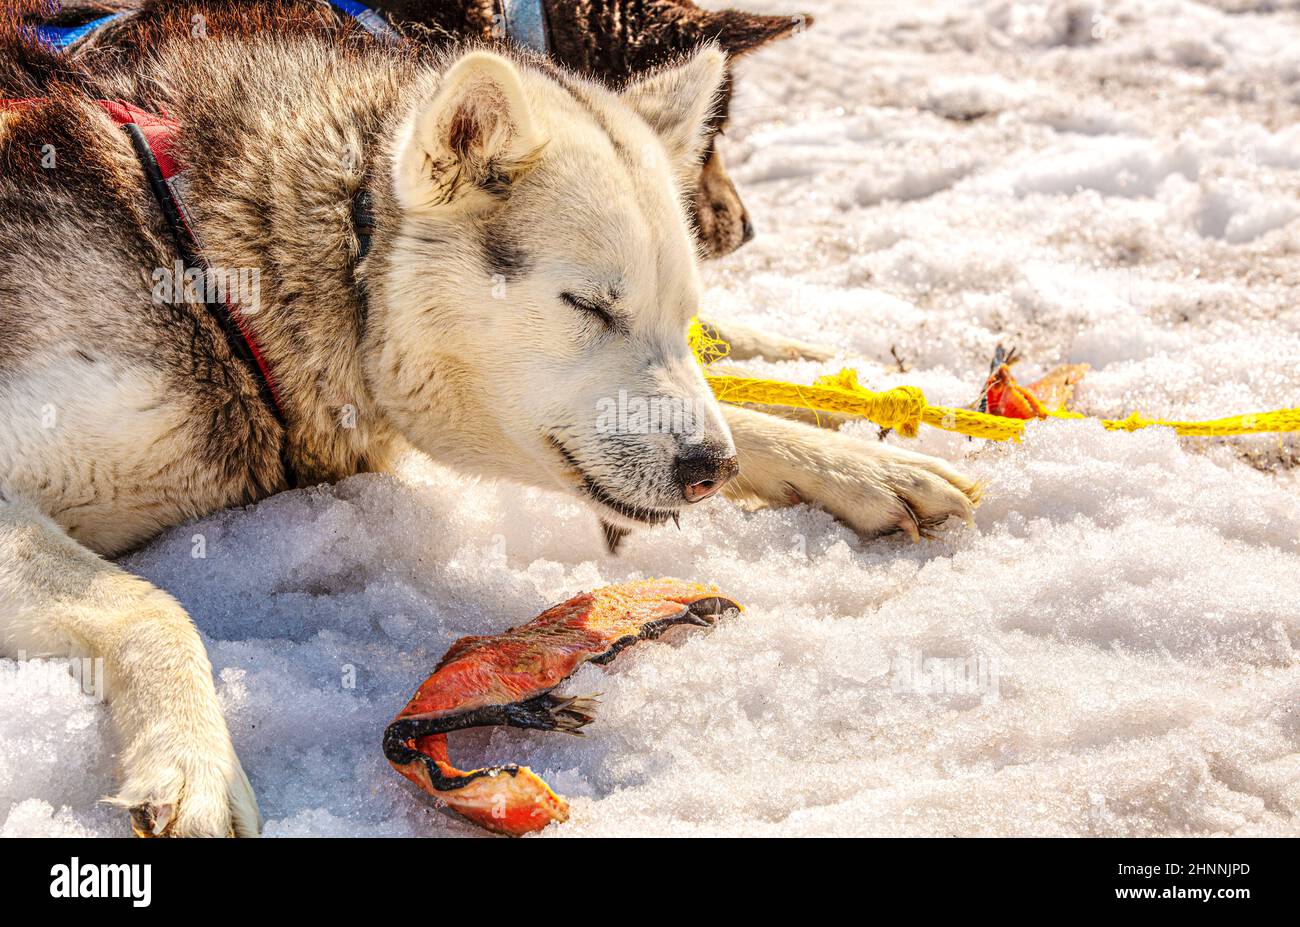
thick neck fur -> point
(276, 139)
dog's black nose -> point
(701, 472)
(746, 231)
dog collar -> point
(363, 221)
(153, 137)
(525, 23)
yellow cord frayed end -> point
(706, 344)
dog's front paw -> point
(178, 787)
(879, 489)
(874, 487)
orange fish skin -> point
(508, 678)
(1056, 389)
(1005, 397)
(513, 801)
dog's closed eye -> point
(598, 310)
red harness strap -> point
(157, 132)
(153, 137)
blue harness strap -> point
(64, 37)
(367, 19)
(524, 20)
(525, 24)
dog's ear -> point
(677, 102)
(739, 32)
(471, 141)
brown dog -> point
(611, 40)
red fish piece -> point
(1002, 395)
(508, 679)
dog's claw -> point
(909, 523)
(677, 520)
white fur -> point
(483, 96)
(597, 211)
(99, 483)
(66, 476)
(675, 102)
(59, 599)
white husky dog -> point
(529, 260)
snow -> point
(1111, 650)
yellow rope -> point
(904, 408)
